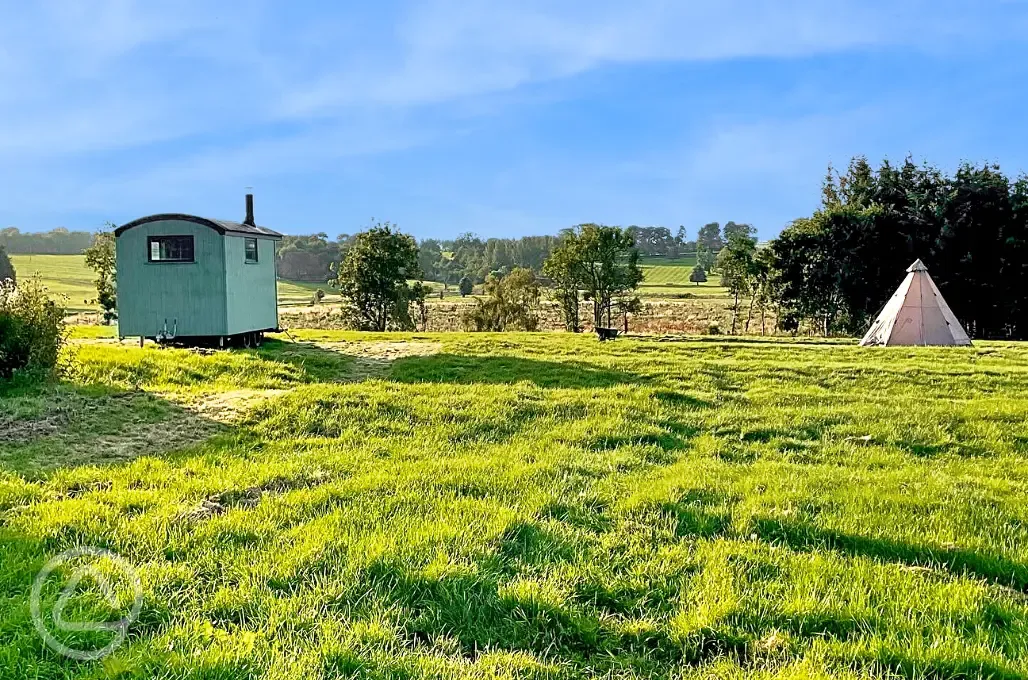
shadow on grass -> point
(51, 424)
(855, 630)
(721, 381)
(802, 536)
(482, 612)
(317, 363)
(681, 400)
(668, 442)
(467, 370)
(961, 449)
(759, 341)
(55, 425)
(697, 521)
(904, 666)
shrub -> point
(317, 297)
(513, 304)
(467, 286)
(31, 328)
(485, 315)
(6, 268)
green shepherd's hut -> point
(189, 279)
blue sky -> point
(502, 117)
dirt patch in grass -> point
(226, 408)
(18, 431)
(183, 430)
(208, 508)
(64, 411)
(251, 496)
(372, 359)
(64, 427)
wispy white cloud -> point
(148, 98)
(449, 49)
(121, 67)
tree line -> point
(310, 258)
(473, 260)
(588, 262)
(58, 241)
(469, 260)
(834, 270)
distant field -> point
(292, 293)
(68, 275)
(666, 277)
(300, 293)
(63, 274)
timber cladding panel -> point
(189, 296)
(252, 293)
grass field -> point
(530, 506)
(64, 275)
(67, 275)
(666, 277)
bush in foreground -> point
(31, 328)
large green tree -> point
(310, 258)
(709, 237)
(654, 241)
(735, 262)
(429, 256)
(600, 261)
(765, 288)
(680, 241)
(732, 229)
(372, 280)
(705, 258)
(562, 269)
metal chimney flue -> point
(249, 211)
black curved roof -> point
(220, 226)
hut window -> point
(170, 248)
(251, 250)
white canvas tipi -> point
(916, 315)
